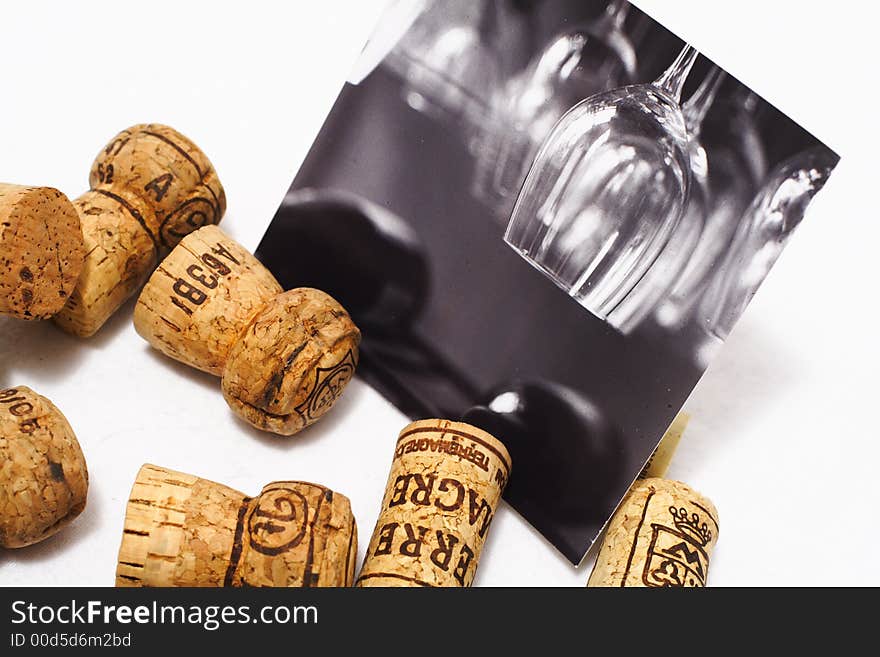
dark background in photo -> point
(387, 214)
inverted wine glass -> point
(737, 164)
(762, 234)
(607, 190)
(681, 250)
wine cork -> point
(43, 475)
(662, 534)
(150, 187)
(41, 251)
(445, 484)
(181, 530)
(284, 357)
(292, 363)
(200, 297)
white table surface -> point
(784, 434)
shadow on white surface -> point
(180, 371)
(40, 351)
(747, 378)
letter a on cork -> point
(149, 188)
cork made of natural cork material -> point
(662, 535)
(149, 188)
(284, 357)
(43, 475)
(444, 487)
(181, 530)
(41, 251)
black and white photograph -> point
(550, 214)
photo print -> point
(545, 216)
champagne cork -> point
(43, 476)
(181, 530)
(150, 187)
(445, 484)
(662, 534)
(284, 357)
(41, 251)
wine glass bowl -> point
(605, 193)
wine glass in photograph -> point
(762, 233)
(681, 251)
(581, 61)
(737, 166)
(607, 190)
(448, 60)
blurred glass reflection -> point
(736, 167)
(762, 234)
(449, 61)
(591, 57)
(680, 251)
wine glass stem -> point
(674, 77)
(698, 104)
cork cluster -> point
(79, 262)
(662, 535)
(43, 476)
(445, 484)
(181, 530)
(149, 188)
(284, 357)
(41, 251)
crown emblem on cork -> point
(691, 526)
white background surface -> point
(784, 436)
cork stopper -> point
(150, 187)
(292, 362)
(41, 251)
(43, 476)
(662, 534)
(284, 357)
(181, 530)
(201, 297)
(445, 484)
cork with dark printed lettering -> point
(662, 535)
(43, 475)
(150, 187)
(41, 251)
(445, 484)
(284, 357)
(181, 530)
(200, 298)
